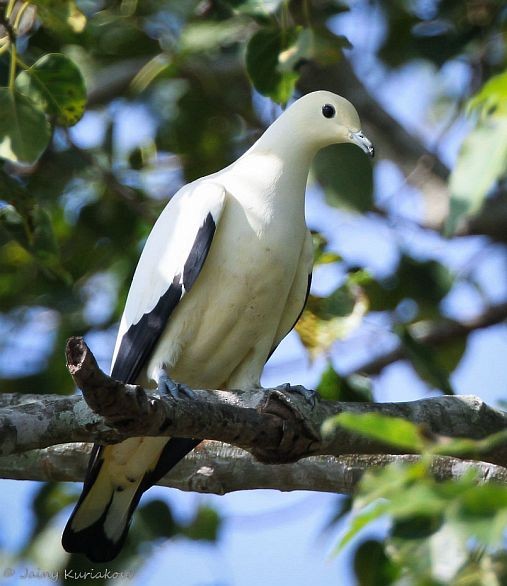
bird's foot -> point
(309, 395)
(167, 386)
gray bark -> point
(276, 426)
(216, 468)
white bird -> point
(223, 278)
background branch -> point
(437, 334)
(217, 468)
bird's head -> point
(324, 118)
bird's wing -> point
(298, 294)
(171, 261)
(117, 475)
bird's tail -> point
(100, 521)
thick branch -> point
(219, 469)
(437, 334)
(276, 426)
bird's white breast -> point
(224, 328)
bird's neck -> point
(288, 144)
(278, 165)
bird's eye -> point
(328, 111)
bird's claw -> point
(167, 386)
(309, 395)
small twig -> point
(126, 193)
(437, 334)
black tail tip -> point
(91, 543)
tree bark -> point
(216, 468)
(276, 426)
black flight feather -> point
(135, 349)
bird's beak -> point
(362, 142)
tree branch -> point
(274, 425)
(437, 334)
(216, 468)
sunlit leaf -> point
(394, 431)
(482, 161)
(358, 522)
(258, 8)
(327, 319)
(24, 130)
(491, 100)
(61, 15)
(209, 36)
(55, 84)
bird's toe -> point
(308, 394)
(168, 386)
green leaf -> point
(24, 130)
(271, 55)
(31, 228)
(389, 430)
(471, 448)
(55, 84)
(373, 567)
(327, 319)
(426, 282)
(346, 175)
(333, 387)
(155, 520)
(15, 226)
(359, 522)
(492, 98)
(259, 8)
(321, 255)
(417, 526)
(205, 525)
(424, 360)
(482, 161)
(199, 37)
(49, 500)
(61, 16)
(44, 246)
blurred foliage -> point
(327, 319)
(441, 532)
(333, 387)
(108, 106)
